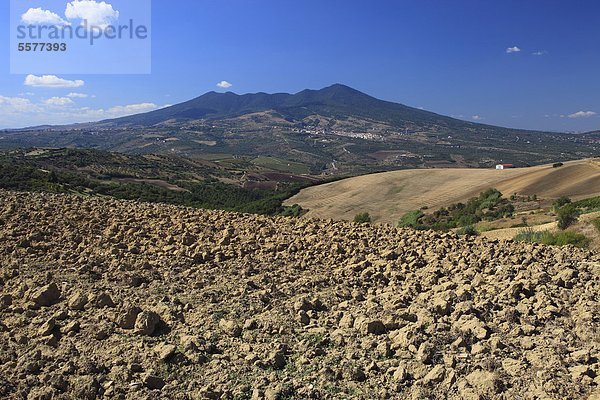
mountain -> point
(336, 101)
(335, 130)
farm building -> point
(504, 166)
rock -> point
(436, 375)
(513, 367)
(46, 295)
(6, 301)
(71, 327)
(154, 382)
(425, 352)
(103, 300)
(473, 326)
(165, 351)
(146, 323)
(485, 383)
(356, 374)
(303, 317)
(347, 321)
(401, 375)
(303, 305)
(581, 356)
(77, 301)
(374, 327)
(250, 324)
(47, 327)
(128, 316)
(230, 327)
(84, 387)
(277, 359)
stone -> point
(303, 317)
(103, 300)
(484, 382)
(165, 351)
(46, 295)
(154, 382)
(230, 327)
(436, 375)
(127, 317)
(47, 327)
(77, 301)
(146, 323)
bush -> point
(567, 216)
(553, 239)
(468, 230)
(561, 201)
(362, 218)
(411, 220)
(292, 211)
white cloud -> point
(74, 95)
(18, 112)
(224, 84)
(11, 105)
(38, 16)
(582, 114)
(539, 53)
(477, 117)
(132, 109)
(99, 14)
(59, 102)
(513, 49)
(51, 81)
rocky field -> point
(109, 299)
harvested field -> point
(389, 195)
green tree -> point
(567, 216)
(561, 201)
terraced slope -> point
(111, 299)
(388, 196)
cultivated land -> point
(113, 299)
(387, 196)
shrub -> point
(468, 230)
(553, 239)
(292, 211)
(362, 218)
(567, 216)
(411, 220)
(561, 201)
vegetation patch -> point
(488, 206)
(562, 238)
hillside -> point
(336, 130)
(104, 298)
(388, 196)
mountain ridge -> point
(334, 130)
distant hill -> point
(336, 130)
(388, 196)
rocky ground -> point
(110, 299)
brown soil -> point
(113, 299)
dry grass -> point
(387, 196)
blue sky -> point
(449, 57)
